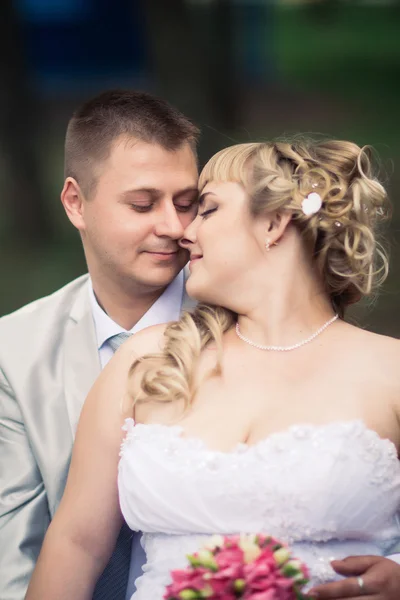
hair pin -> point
(311, 204)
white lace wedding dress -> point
(329, 491)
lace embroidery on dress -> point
(128, 426)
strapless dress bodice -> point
(328, 490)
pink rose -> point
(230, 564)
(268, 595)
(230, 556)
(225, 595)
(220, 587)
(264, 566)
(189, 579)
(265, 581)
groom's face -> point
(145, 196)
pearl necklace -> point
(286, 348)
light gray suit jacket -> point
(48, 363)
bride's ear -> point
(272, 227)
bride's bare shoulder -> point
(147, 341)
(384, 367)
(378, 340)
(377, 350)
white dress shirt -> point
(166, 308)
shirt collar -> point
(166, 308)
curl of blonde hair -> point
(342, 237)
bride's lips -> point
(194, 258)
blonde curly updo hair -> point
(342, 237)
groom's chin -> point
(159, 270)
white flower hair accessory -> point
(311, 204)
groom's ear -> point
(72, 200)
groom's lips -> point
(165, 256)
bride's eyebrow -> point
(203, 197)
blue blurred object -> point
(46, 11)
(70, 43)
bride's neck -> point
(291, 309)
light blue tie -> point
(115, 341)
(113, 583)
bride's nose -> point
(189, 236)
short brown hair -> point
(115, 113)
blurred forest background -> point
(241, 69)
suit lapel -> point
(81, 358)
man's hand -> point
(367, 577)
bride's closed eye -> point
(206, 213)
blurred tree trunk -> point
(192, 56)
(22, 191)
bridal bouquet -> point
(252, 567)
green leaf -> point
(289, 570)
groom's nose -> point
(169, 223)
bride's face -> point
(224, 245)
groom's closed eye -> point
(142, 204)
(186, 206)
(142, 208)
(187, 201)
(141, 200)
